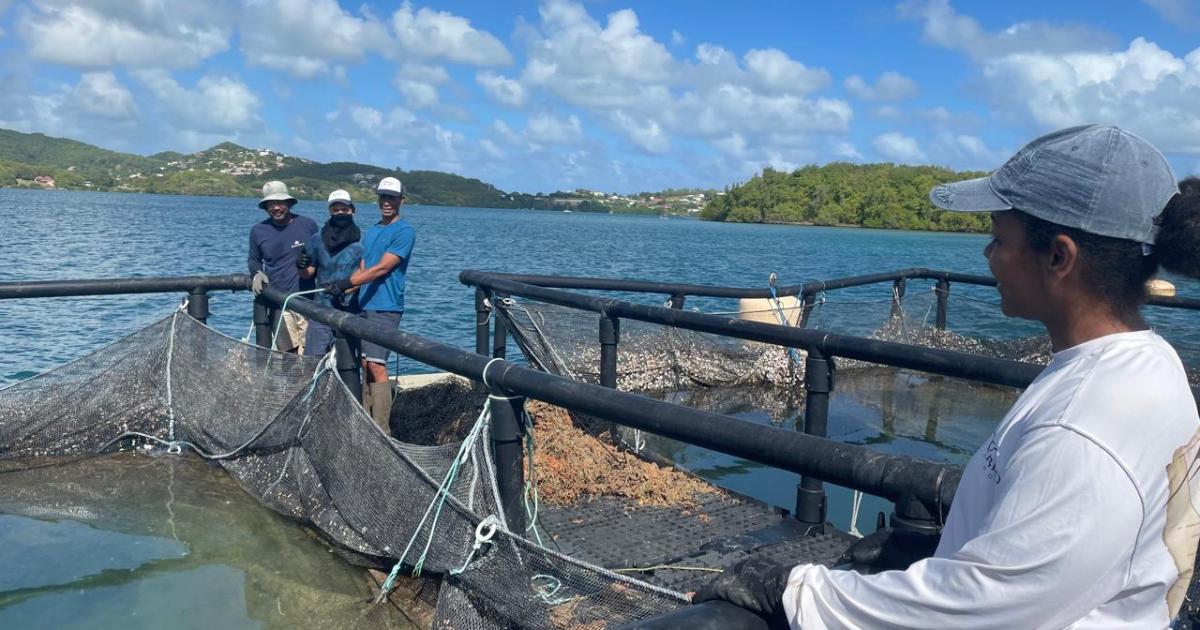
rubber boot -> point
(366, 395)
(381, 406)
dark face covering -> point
(339, 231)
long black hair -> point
(1115, 269)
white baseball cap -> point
(340, 196)
(390, 186)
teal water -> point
(134, 541)
(59, 235)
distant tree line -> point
(840, 193)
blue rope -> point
(435, 507)
(778, 308)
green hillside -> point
(866, 195)
(70, 155)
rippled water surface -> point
(136, 541)
(58, 235)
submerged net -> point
(657, 358)
(288, 431)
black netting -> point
(288, 431)
(656, 358)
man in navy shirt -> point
(274, 245)
(387, 246)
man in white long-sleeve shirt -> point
(1083, 508)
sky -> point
(617, 96)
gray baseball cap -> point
(1102, 180)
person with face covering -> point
(274, 245)
(330, 256)
(1082, 509)
(387, 248)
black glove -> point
(891, 549)
(339, 287)
(756, 584)
(304, 260)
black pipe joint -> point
(818, 374)
(198, 304)
(610, 330)
(912, 515)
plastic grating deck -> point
(722, 530)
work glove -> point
(337, 288)
(304, 261)
(756, 584)
(891, 549)
(258, 282)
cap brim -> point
(263, 204)
(971, 195)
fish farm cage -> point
(451, 493)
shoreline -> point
(696, 217)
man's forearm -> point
(364, 276)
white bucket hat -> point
(275, 191)
(340, 196)
(390, 186)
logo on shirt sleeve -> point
(1182, 530)
(991, 458)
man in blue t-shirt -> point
(274, 245)
(331, 255)
(387, 246)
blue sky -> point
(606, 95)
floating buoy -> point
(1158, 287)
(762, 310)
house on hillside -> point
(45, 181)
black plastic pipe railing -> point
(119, 286)
(704, 290)
(679, 291)
(852, 466)
(944, 362)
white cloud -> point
(944, 26)
(898, 147)
(677, 38)
(778, 72)
(761, 107)
(368, 119)
(501, 88)
(1143, 88)
(1060, 75)
(967, 151)
(23, 109)
(101, 94)
(588, 65)
(107, 33)
(890, 86)
(306, 38)
(430, 34)
(399, 136)
(418, 83)
(217, 103)
(846, 151)
(547, 129)
(4, 5)
(712, 113)
(734, 144)
(492, 149)
(888, 112)
(645, 134)
(1181, 13)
